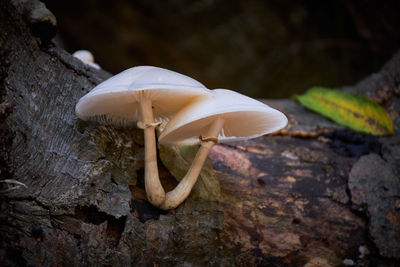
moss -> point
(178, 160)
(120, 147)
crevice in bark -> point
(6, 108)
(144, 211)
(353, 144)
(15, 255)
(115, 227)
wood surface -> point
(314, 194)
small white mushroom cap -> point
(84, 55)
(115, 101)
(244, 118)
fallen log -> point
(314, 194)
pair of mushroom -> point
(149, 95)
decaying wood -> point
(318, 198)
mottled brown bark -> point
(284, 200)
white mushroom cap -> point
(115, 100)
(244, 118)
(84, 55)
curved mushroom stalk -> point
(154, 190)
(183, 189)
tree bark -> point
(314, 194)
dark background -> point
(261, 48)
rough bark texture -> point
(314, 195)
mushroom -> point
(86, 57)
(146, 95)
(224, 116)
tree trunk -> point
(314, 194)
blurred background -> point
(264, 49)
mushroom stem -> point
(183, 189)
(154, 190)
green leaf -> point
(351, 110)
